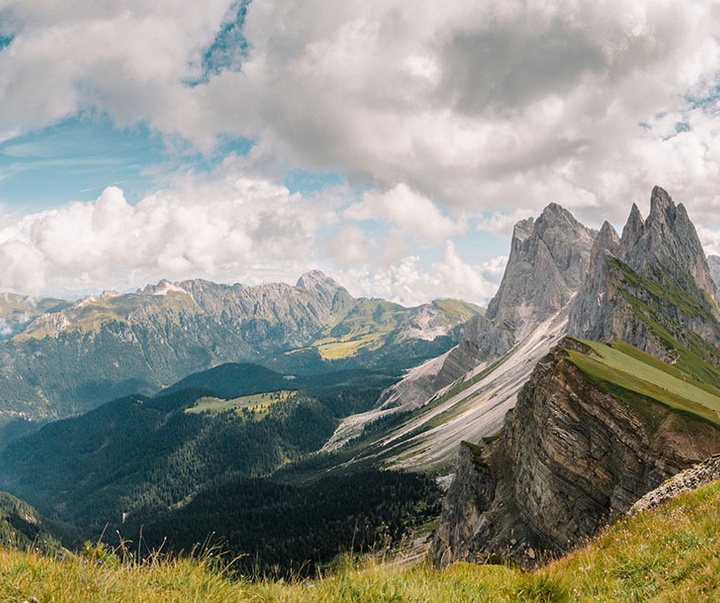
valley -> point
(302, 422)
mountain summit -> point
(599, 422)
(548, 261)
(652, 284)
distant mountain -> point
(62, 359)
(18, 311)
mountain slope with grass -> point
(595, 428)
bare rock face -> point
(668, 237)
(654, 281)
(548, 262)
(714, 265)
(481, 340)
(570, 459)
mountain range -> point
(593, 376)
(59, 359)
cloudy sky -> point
(392, 144)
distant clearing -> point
(255, 407)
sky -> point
(391, 144)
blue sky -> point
(391, 145)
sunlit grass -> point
(257, 404)
(648, 377)
(669, 555)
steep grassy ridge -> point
(622, 367)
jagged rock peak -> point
(555, 213)
(606, 243)
(661, 203)
(549, 259)
(607, 238)
(634, 228)
(521, 231)
(666, 238)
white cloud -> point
(443, 114)
(410, 283)
(409, 213)
(235, 229)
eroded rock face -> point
(481, 340)
(714, 265)
(571, 457)
(548, 262)
(654, 278)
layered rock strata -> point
(571, 458)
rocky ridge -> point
(549, 258)
(697, 476)
(580, 447)
(651, 286)
(74, 356)
(571, 458)
(547, 261)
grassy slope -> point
(257, 404)
(671, 554)
(623, 367)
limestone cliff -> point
(650, 287)
(549, 258)
(571, 457)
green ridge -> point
(622, 371)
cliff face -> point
(548, 261)
(571, 457)
(650, 286)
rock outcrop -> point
(714, 265)
(571, 457)
(482, 340)
(697, 476)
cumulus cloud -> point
(474, 104)
(439, 115)
(239, 229)
(407, 211)
(409, 282)
(479, 105)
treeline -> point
(139, 456)
(142, 456)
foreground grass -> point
(671, 554)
